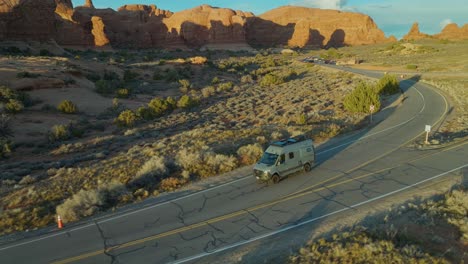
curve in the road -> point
(289, 196)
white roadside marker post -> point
(371, 109)
(428, 129)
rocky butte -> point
(146, 26)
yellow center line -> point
(244, 211)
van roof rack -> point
(289, 141)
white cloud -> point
(445, 22)
(324, 4)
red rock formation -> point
(143, 26)
(100, 38)
(300, 26)
(27, 19)
(64, 9)
(208, 25)
(415, 34)
(453, 32)
(89, 4)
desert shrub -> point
(157, 75)
(301, 119)
(5, 126)
(159, 106)
(129, 75)
(221, 163)
(14, 106)
(360, 247)
(67, 107)
(94, 77)
(185, 84)
(87, 202)
(249, 154)
(151, 172)
(360, 99)
(144, 113)
(247, 79)
(22, 75)
(215, 80)
(388, 85)
(7, 93)
(270, 62)
(123, 93)
(208, 91)
(187, 102)
(172, 76)
(107, 87)
(271, 79)
(205, 163)
(111, 76)
(126, 118)
(5, 148)
(225, 86)
(59, 133)
(171, 184)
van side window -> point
(282, 158)
(291, 155)
(309, 149)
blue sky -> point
(394, 17)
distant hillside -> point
(143, 26)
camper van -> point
(284, 157)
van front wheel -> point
(275, 178)
(307, 167)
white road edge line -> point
(384, 130)
(203, 191)
(315, 219)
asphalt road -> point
(360, 169)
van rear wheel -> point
(275, 178)
(307, 167)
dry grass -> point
(415, 232)
(230, 122)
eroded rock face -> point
(208, 25)
(453, 32)
(300, 26)
(415, 34)
(146, 26)
(89, 4)
(27, 19)
(100, 37)
(64, 9)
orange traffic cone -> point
(59, 222)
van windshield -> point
(268, 158)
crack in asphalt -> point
(245, 193)
(174, 255)
(181, 214)
(215, 228)
(205, 199)
(194, 237)
(151, 224)
(106, 245)
(213, 243)
(256, 221)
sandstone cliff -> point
(146, 26)
(415, 34)
(27, 19)
(453, 32)
(300, 26)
